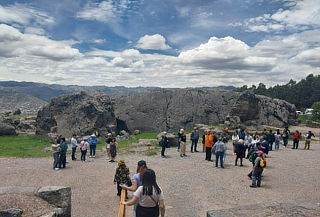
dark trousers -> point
(178, 145)
(295, 143)
(270, 146)
(163, 150)
(119, 189)
(285, 141)
(256, 176)
(63, 160)
(208, 153)
(239, 156)
(194, 145)
(56, 159)
(93, 150)
(219, 155)
(147, 211)
(83, 155)
(73, 157)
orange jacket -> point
(209, 141)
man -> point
(108, 141)
(270, 138)
(208, 144)
(93, 145)
(164, 143)
(74, 145)
(63, 153)
(136, 180)
(308, 136)
(219, 148)
(285, 136)
(183, 143)
(194, 139)
(257, 170)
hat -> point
(241, 141)
(121, 162)
(181, 130)
(142, 163)
(259, 152)
(109, 134)
(93, 135)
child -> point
(122, 176)
(83, 147)
(113, 150)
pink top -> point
(84, 145)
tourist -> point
(257, 170)
(209, 144)
(235, 139)
(194, 139)
(296, 139)
(56, 155)
(63, 153)
(164, 143)
(149, 196)
(108, 141)
(285, 136)
(93, 145)
(179, 135)
(277, 137)
(122, 176)
(204, 140)
(183, 143)
(308, 137)
(270, 139)
(264, 144)
(219, 150)
(248, 142)
(136, 181)
(58, 139)
(240, 152)
(83, 147)
(242, 134)
(113, 150)
(74, 145)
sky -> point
(164, 43)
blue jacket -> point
(92, 141)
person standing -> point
(308, 136)
(74, 145)
(209, 144)
(296, 139)
(122, 176)
(204, 140)
(179, 135)
(113, 150)
(56, 155)
(285, 136)
(257, 170)
(271, 139)
(235, 139)
(164, 143)
(240, 152)
(108, 141)
(194, 139)
(183, 143)
(93, 145)
(63, 153)
(219, 149)
(83, 147)
(149, 197)
(277, 137)
(136, 181)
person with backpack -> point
(257, 170)
(164, 143)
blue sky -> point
(167, 43)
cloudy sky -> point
(167, 43)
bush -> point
(316, 111)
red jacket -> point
(297, 136)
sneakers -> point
(253, 186)
(111, 161)
(56, 168)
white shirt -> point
(145, 200)
(74, 142)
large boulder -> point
(79, 113)
(170, 110)
(7, 130)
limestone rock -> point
(7, 130)
(11, 212)
(79, 113)
(172, 139)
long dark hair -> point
(149, 182)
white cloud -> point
(103, 11)
(13, 43)
(24, 15)
(99, 41)
(152, 42)
(301, 14)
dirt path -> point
(191, 185)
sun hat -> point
(121, 162)
(93, 135)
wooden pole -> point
(122, 208)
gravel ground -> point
(191, 185)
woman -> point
(277, 137)
(235, 138)
(150, 197)
(113, 150)
(83, 147)
(296, 139)
(240, 152)
(122, 176)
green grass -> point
(135, 138)
(23, 146)
(304, 118)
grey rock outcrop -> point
(7, 130)
(12, 212)
(81, 113)
(170, 110)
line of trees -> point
(302, 94)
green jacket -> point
(63, 147)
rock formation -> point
(7, 130)
(81, 113)
(183, 108)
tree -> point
(316, 111)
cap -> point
(259, 152)
(142, 163)
(93, 135)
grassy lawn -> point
(135, 138)
(23, 146)
(304, 118)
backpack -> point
(263, 163)
(252, 157)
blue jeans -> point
(277, 144)
(219, 155)
(92, 150)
